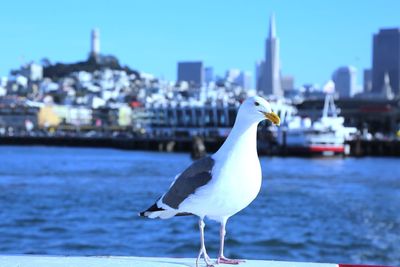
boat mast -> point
(329, 107)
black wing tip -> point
(153, 208)
(141, 214)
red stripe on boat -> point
(357, 265)
(336, 149)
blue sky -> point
(316, 36)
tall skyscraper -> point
(191, 72)
(270, 82)
(386, 60)
(345, 79)
(95, 43)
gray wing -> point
(197, 175)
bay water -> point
(83, 201)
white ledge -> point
(120, 261)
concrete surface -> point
(116, 261)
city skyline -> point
(220, 39)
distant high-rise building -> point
(208, 74)
(245, 79)
(232, 75)
(367, 80)
(386, 59)
(270, 82)
(287, 83)
(95, 43)
(191, 72)
(240, 78)
(345, 79)
(259, 75)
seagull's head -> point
(258, 109)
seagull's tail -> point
(156, 212)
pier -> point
(266, 145)
(360, 148)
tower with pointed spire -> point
(269, 80)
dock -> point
(361, 148)
(357, 148)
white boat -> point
(325, 136)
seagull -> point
(220, 185)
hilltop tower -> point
(95, 43)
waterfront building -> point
(377, 114)
(345, 79)
(386, 59)
(211, 119)
(270, 78)
(191, 72)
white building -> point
(32, 71)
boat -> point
(324, 136)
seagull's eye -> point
(256, 103)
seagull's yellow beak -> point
(272, 117)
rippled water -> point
(74, 201)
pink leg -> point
(221, 258)
(224, 260)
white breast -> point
(235, 185)
(238, 183)
(236, 178)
